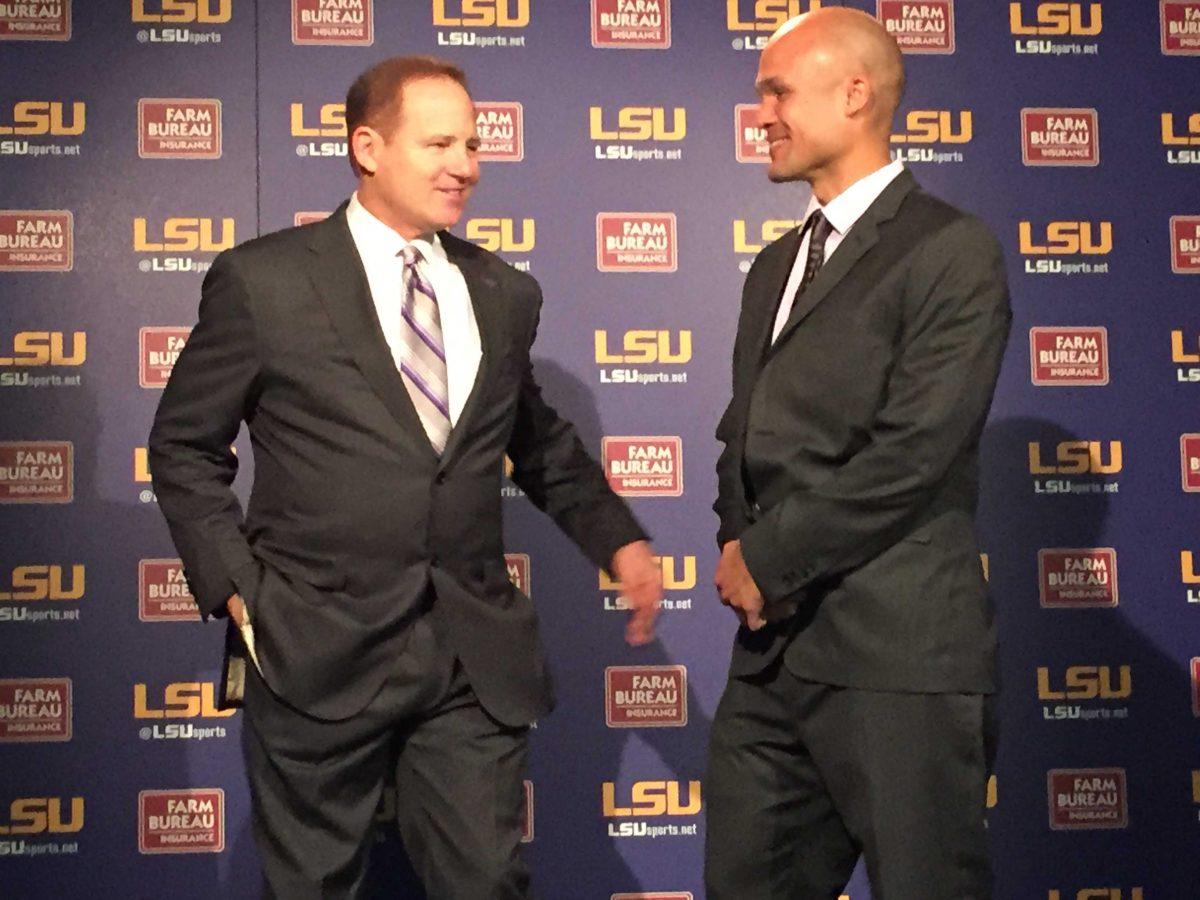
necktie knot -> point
(410, 254)
(821, 229)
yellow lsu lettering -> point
(1066, 239)
(645, 346)
(1171, 138)
(993, 794)
(1077, 458)
(771, 230)
(481, 13)
(1057, 19)
(37, 117)
(183, 235)
(46, 348)
(332, 118)
(38, 815)
(1196, 785)
(652, 798)
(681, 578)
(640, 123)
(1097, 894)
(141, 464)
(1187, 567)
(45, 583)
(936, 126)
(182, 700)
(1178, 353)
(182, 12)
(768, 14)
(1086, 683)
(501, 234)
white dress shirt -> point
(841, 212)
(379, 248)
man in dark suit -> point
(383, 369)
(870, 339)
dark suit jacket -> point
(352, 515)
(851, 450)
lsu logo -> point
(1180, 20)
(179, 129)
(1174, 138)
(1077, 458)
(645, 696)
(1189, 457)
(1086, 683)
(678, 574)
(47, 348)
(183, 235)
(1076, 579)
(39, 240)
(1087, 798)
(639, 123)
(749, 138)
(481, 13)
(1056, 19)
(1096, 894)
(37, 472)
(158, 349)
(31, 583)
(652, 798)
(331, 121)
(636, 242)
(334, 22)
(644, 466)
(43, 20)
(1189, 575)
(44, 815)
(936, 126)
(181, 700)
(1068, 357)
(764, 15)
(1060, 137)
(1181, 357)
(1185, 245)
(501, 130)
(183, 12)
(141, 465)
(919, 27)
(500, 235)
(645, 346)
(1066, 239)
(163, 593)
(36, 118)
(35, 709)
(632, 24)
(749, 238)
(187, 821)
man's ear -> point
(365, 143)
(858, 95)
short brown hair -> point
(374, 98)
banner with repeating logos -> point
(624, 170)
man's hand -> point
(237, 610)
(641, 585)
(737, 588)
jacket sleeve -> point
(730, 505)
(212, 388)
(938, 397)
(552, 467)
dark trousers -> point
(316, 785)
(805, 777)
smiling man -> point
(855, 720)
(383, 369)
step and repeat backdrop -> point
(624, 171)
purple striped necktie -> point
(424, 365)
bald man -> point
(856, 717)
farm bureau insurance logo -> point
(1087, 798)
(163, 592)
(37, 240)
(1055, 29)
(1180, 20)
(1068, 357)
(754, 21)
(1175, 138)
(750, 143)
(35, 710)
(50, 119)
(176, 13)
(1060, 137)
(919, 26)
(928, 133)
(501, 129)
(1185, 245)
(179, 129)
(185, 821)
(1077, 578)
(159, 347)
(645, 696)
(1094, 461)
(35, 20)
(1189, 458)
(653, 348)
(1065, 248)
(631, 24)
(34, 586)
(500, 18)
(37, 472)
(349, 23)
(644, 466)
(636, 242)
(520, 572)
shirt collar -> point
(848, 207)
(378, 240)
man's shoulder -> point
(511, 280)
(924, 217)
(272, 247)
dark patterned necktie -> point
(820, 231)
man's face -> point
(801, 105)
(425, 169)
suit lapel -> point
(774, 283)
(862, 237)
(341, 284)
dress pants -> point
(316, 785)
(804, 777)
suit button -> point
(756, 508)
(439, 478)
(433, 560)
